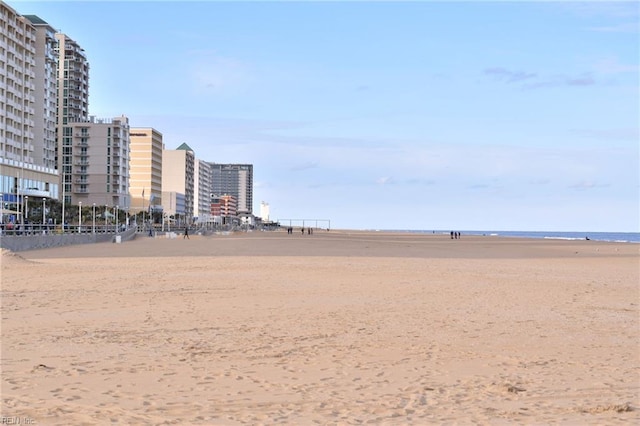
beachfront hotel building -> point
(224, 209)
(145, 170)
(26, 157)
(45, 93)
(72, 107)
(178, 168)
(97, 165)
(235, 180)
(174, 208)
(202, 191)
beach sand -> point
(332, 328)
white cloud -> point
(210, 73)
(509, 76)
(623, 27)
(628, 134)
(612, 65)
(385, 180)
(534, 80)
(304, 166)
(586, 185)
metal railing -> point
(10, 229)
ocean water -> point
(624, 237)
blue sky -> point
(386, 115)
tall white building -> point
(45, 93)
(26, 169)
(202, 191)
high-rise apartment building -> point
(26, 168)
(73, 81)
(45, 93)
(236, 180)
(178, 167)
(99, 163)
(202, 189)
(73, 103)
(145, 169)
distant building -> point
(178, 169)
(174, 206)
(264, 211)
(224, 209)
(235, 180)
(145, 169)
(202, 190)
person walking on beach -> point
(186, 233)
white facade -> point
(264, 211)
(202, 191)
(45, 93)
(26, 169)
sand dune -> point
(330, 328)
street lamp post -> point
(43, 215)
(117, 223)
(79, 216)
(64, 197)
(26, 209)
(143, 215)
(94, 218)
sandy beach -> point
(334, 328)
